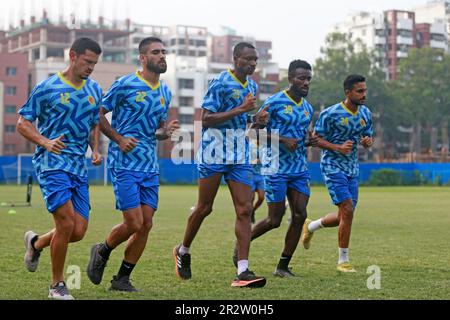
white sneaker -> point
(59, 292)
(32, 255)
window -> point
(10, 128)
(10, 148)
(182, 52)
(201, 43)
(186, 118)
(181, 41)
(186, 101)
(404, 33)
(10, 109)
(202, 53)
(192, 53)
(11, 71)
(185, 83)
(11, 91)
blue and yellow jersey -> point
(62, 108)
(225, 93)
(338, 124)
(137, 108)
(292, 120)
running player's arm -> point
(344, 148)
(29, 132)
(211, 119)
(165, 130)
(321, 131)
(94, 142)
(367, 138)
(125, 144)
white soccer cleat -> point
(59, 292)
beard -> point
(156, 68)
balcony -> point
(402, 54)
(380, 40)
(438, 44)
(405, 40)
(406, 24)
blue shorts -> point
(242, 173)
(341, 187)
(258, 182)
(133, 188)
(58, 187)
(276, 185)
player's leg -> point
(133, 251)
(80, 202)
(64, 217)
(346, 213)
(56, 190)
(298, 202)
(253, 202)
(259, 200)
(238, 180)
(276, 193)
(275, 214)
(207, 190)
(126, 189)
(276, 188)
(335, 185)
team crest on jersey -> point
(344, 121)
(362, 122)
(236, 94)
(91, 100)
(287, 109)
(162, 101)
(307, 114)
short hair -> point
(146, 42)
(294, 65)
(80, 46)
(353, 79)
(238, 48)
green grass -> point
(404, 231)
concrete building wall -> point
(13, 75)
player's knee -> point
(134, 226)
(347, 211)
(274, 222)
(77, 235)
(203, 209)
(147, 226)
(299, 216)
(245, 211)
(66, 226)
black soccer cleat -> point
(96, 265)
(122, 284)
(248, 279)
(182, 264)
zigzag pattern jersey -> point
(63, 109)
(338, 124)
(225, 93)
(137, 108)
(292, 120)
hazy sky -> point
(297, 29)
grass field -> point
(404, 231)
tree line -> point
(411, 113)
